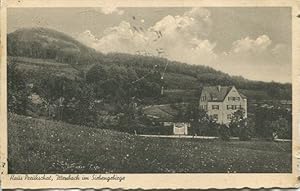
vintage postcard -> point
(149, 94)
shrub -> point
(245, 134)
(279, 129)
(241, 127)
(224, 132)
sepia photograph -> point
(149, 90)
(168, 93)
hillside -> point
(44, 42)
(38, 65)
(56, 47)
(42, 146)
(48, 44)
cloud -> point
(185, 38)
(110, 10)
(88, 38)
(182, 38)
(257, 59)
(249, 45)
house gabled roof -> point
(218, 93)
(243, 96)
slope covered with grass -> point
(41, 146)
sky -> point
(251, 42)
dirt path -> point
(180, 136)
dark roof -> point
(243, 96)
(218, 95)
(163, 113)
(160, 112)
(215, 94)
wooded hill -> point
(118, 71)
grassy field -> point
(41, 146)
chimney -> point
(219, 88)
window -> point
(215, 106)
(203, 98)
(215, 117)
(234, 99)
(229, 116)
(234, 107)
(231, 98)
(204, 107)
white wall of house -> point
(236, 104)
(222, 111)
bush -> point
(241, 127)
(245, 134)
(224, 132)
(279, 129)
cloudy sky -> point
(252, 42)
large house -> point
(220, 102)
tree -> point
(192, 115)
(280, 128)
(224, 132)
(241, 126)
(96, 73)
(18, 93)
(270, 120)
(129, 121)
(207, 125)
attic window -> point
(215, 106)
(233, 98)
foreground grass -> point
(40, 146)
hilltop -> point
(47, 44)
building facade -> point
(221, 102)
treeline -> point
(102, 99)
(265, 123)
(111, 97)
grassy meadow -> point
(42, 146)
